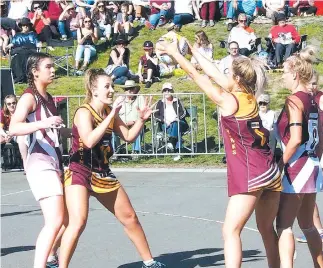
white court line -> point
(16, 192)
(154, 213)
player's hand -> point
(52, 122)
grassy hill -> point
(74, 85)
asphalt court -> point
(181, 213)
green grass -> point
(74, 85)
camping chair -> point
(62, 61)
(256, 47)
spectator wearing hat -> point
(23, 44)
(148, 69)
(268, 118)
(161, 12)
(171, 113)
(129, 111)
(285, 38)
(87, 37)
(118, 64)
(123, 25)
(303, 7)
(69, 22)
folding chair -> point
(62, 61)
(256, 47)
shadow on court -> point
(201, 258)
(7, 251)
(18, 213)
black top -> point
(88, 41)
(126, 57)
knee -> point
(55, 224)
(265, 227)
(129, 218)
(77, 224)
(229, 230)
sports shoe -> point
(204, 23)
(148, 84)
(302, 238)
(177, 158)
(162, 22)
(64, 37)
(211, 23)
(53, 264)
(170, 147)
(157, 264)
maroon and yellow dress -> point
(89, 167)
(250, 162)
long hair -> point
(90, 80)
(203, 38)
(5, 107)
(252, 74)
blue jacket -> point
(25, 40)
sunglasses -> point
(11, 103)
(168, 90)
(242, 20)
(262, 103)
(100, 6)
(37, 7)
(87, 21)
(234, 48)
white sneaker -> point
(64, 37)
(103, 39)
(177, 158)
(170, 147)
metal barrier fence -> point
(201, 137)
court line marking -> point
(153, 213)
(23, 191)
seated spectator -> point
(303, 7)
(208, 11)
(129, 112)
(23, 44)
(84, 6)
(148, 69)
(41, 22)
(142, 10)
(55, 9)
(9, 107)
(171, 113)
(205, 48)
(3, 9)
(285, 38)
(69, 22)
(161, 12)
(118, 64)
(226, 63)
(183, 10)
(122, 24)
(268, 118)
(243, 35)
(87, 37)
(273, 8)
(102, 17)
(235, 7)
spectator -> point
(122, 24)
(3, 9)
(268, 118)
(19, 9)
(243, 35)
(208, 11)
(118, 64)
(4, 41)
(226, 63)
(129, 112)
(203, 45)
(23, 44)
(69, 22)
(141, 10)
(55, 9)
(183, 10)
(285, 38)
(87, 37)
(235, 7)
(273, 8)
(303, 7)
(160, 13)
(171, 113)
(84, 6)
(102, 17)
(148, 69)
(41, 21)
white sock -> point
(149, 262)
(51, 258)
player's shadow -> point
(7, 251)
(205, 257)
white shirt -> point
(18, 10)
(183, 6)
(170, 114)
(268, 119)
(226, 63)
(207, 52)
(242, 37)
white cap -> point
(167, 85)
